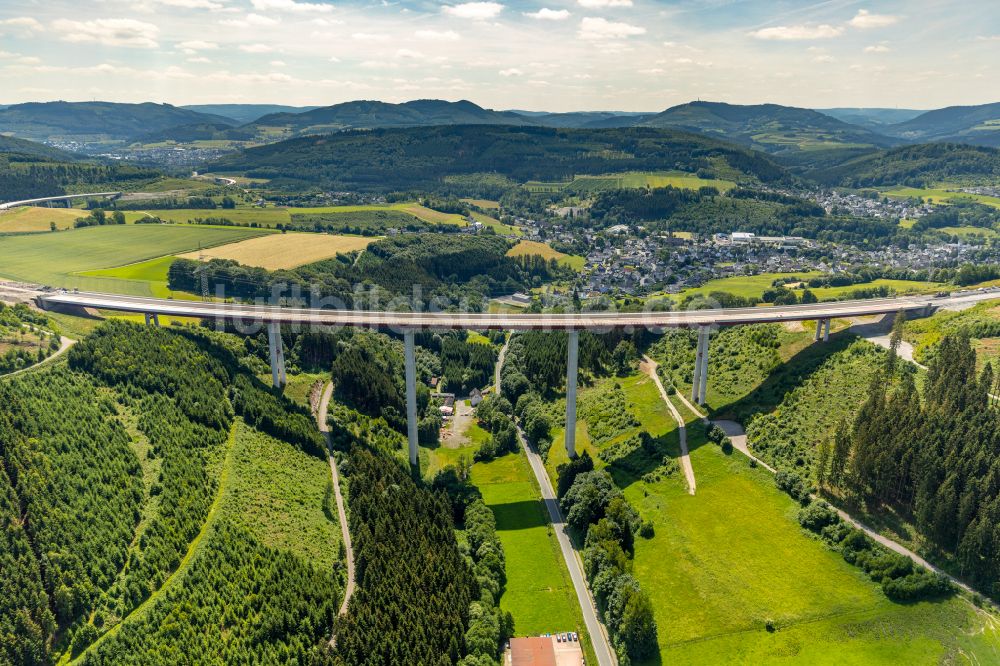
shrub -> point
(817, 516)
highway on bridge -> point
(273, 316)
(507, 321)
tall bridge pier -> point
(274, 315)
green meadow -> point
(729, 560)
(630, 180)
(941, 195)
(60, 259)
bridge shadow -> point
(644, 458)
(522, 515)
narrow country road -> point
(649, 366)
(597, 631)
(738, 436)
(598, 635)
(324, 406)
(64, 344)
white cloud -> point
(652, 70)
(199, 59)
(546, 14)
(513, 71)
(865, 19)
(878, 48)
(256, 48)
(597, 4)
(25, 23)
(370, 37)
(478, 11)
(600, 28)
(109, 32)
(410, 54)
(324, 22)
(249, 20)
(798, 32)
(278, 63)
(198, 45)
(192, 4)
(438, 35)
(988, 38)
(824, 58)
(291, 6)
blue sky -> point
(558, 55)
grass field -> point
(630, 180)
(276, 251)
(267, 217)
(485, 204)
(414, 209)
(739, 559)
(496, 225)
(748, 286)
(539, 593)
(544, 250)
(899, 286)
(728, 559)
(56, 259)
(284, 496)
(941, 195)
(30, 218)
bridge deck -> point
(481, 321)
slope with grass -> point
(980, 322)
(56, 259)
(739, 561)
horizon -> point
(566, 55)
(484, 106)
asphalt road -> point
(649, 367)
(596, 321)
(598, 634)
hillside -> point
(389, 159)
(369, 114)
(21, 150)
(915, 166)
(769, 127)
(589, 119)
(979, 125)
(874, 119)
(197, 132)
(94, 121)
(245, 113)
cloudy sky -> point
(558, 55)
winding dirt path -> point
(649, 366)
(324, 406)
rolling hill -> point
(403, 158)
(96, 121)
(768, 127)
(978, 125)
(21, 150)
(916, 166)
(246, 113)
(365, 114)
(875, 119)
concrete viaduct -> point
(64, 197)
(572, 323)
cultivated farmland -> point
(276, 251)
(56, 259)
(630, 180)
(541, 249)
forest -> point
(26, 337)
(112, 460)
(425, 157)
(933, 456)
(427, 270)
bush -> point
(817, 516)
(792, 483)
(916, 586)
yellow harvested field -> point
(30, 218)
(526, 247)
(275, 251)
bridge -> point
(572, 323)
(63, 197)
